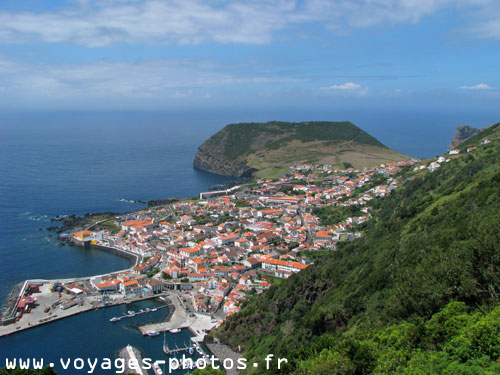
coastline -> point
(8, 310)
(134, 259)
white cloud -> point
(348, 89)
(181, 22)
(345, 86)
(151, 22)
(479, 86)
(154, 79)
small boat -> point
(188, 364)
(131, 313)
(191, 351)
(175, 330)
(114, 319)
(153, 334)
(155, 309)
(157, 369)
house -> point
(174, 270)
(155, 286)
(193, 252)
(135, 226)
(282, 265)
(130, 287)
(243, 243)
(108, 286)
(231, 238)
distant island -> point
(268, 149)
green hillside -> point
(418, 294)
(267, 149)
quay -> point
(196, 322)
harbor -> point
(117, 335)
(50, 306)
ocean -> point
(54, 163)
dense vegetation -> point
(17, 371)
(331, 215)
(419, 293)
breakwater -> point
(10, 306)
(133, 258)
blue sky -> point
(193, 54)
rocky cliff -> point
(462, 134)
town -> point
(215, 250)
(210, 253)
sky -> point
(194, 54)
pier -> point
(169, 351)
(135, 313)
(130, 353)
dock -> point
(169, 351)
(131, 314)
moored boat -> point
(153, 333)
(175, 330)
(114, 319)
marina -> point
(119, 334)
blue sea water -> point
(54, 163)
(57, 164)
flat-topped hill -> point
(267, 149)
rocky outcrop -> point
(462, 134)
(212, 160)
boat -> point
(153, 334)
(114, 319)
(175, 330)
(188, 364)
(153, 310)
(131, 313)
(191, 351)
(157, 369)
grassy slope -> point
(435, 240)
(272, 163)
